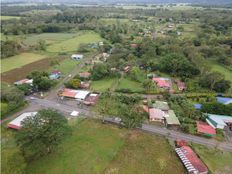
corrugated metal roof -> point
(224, 100)
(205, 128)
(171, 118)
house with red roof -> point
(91, 99)
(85, 74)
(205, 129)
(156, 115)
(191, 161)
(164, 83)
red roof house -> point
(191, 161)
(85, 74)
(162, 82)
(205, 128)
(156, 115)
(91, 99)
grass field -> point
(103, 85)
(9, 17)
(131, 85)
(223, 70)
(19, 60)
(100, 148)
(50, 38)
(218, 162)
(72, 44)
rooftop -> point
(156, 113)
(162, 82)
(205, 128)
(161, 105)
(220, 119)
(171, 118)
(224, 100)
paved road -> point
(145, 127)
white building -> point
(16, 123)
(77, 56)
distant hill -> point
(205, 2)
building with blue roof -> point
(224, 100)
(197, 106)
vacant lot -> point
(218, 162)
(103, 85)
(48, 37)
(9, 17)
(19, 61)
(100, 148)
(133, 86)
(71, 45)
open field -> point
(223, 70)
(218, 162)
(19, 61)
(50, 38)
(9, 17)
(99, 148)
(103, 85)
(130, 85)
(71, 45)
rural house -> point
(77, 56)
(224, 100)
(219, 121)
(164, 83)
(171, 120)
(24, 81)
(156, 115)
(75, 94)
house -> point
(219, 121)
(100, 43)
(161, 105)
(24, 81)
(75, 94)
(105, 56)
(156, 115)
(133, 45)
(54, 76)
(77, 56)
(91, 99)
(224, 100)
(191, 161)
(180, 85)
(17, 122)
(164, 83)
(205, 129)
(171, 120)
(85, 75)
(56, 72)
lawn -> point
(147, 154)
(133, 86)
(219, 68)
(218, 162)
(103, 85)
(19, 60)
(89, 150)
(71, 45)
(48, 37)
(9, 17)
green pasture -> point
(19, 60)
(131, 85)
(103, 84)
(3, 18)
(71, 45)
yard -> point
(103, 85)
(132, 86)
(19, 61)
(218, 162)
(71, 45)
(100, 148)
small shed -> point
(77, 56)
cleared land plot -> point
(19, 61)
(48, 37)
(103, 85)
(218, 162)
(73, 44)
(101, 148)
(9, 17)
(144, 153)
(89, 150)
(130, 85)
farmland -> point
(71, 45)
(9, 17)
(20, 60)
(97, 148)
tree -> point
(130, 116)
(99, 71)
(41, 45)
(136, 74)
(216, 108)
(221, 86)
(73, 83)
(148, 85)
(41, 134)
(42, 83)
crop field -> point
(99, 148)
(218, 162)
(50, 38)
(111, 21)
(9, 17)
(71, 45)
(19, 61)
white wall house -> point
(77, 56)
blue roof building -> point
(224, 100)
(197, 106)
